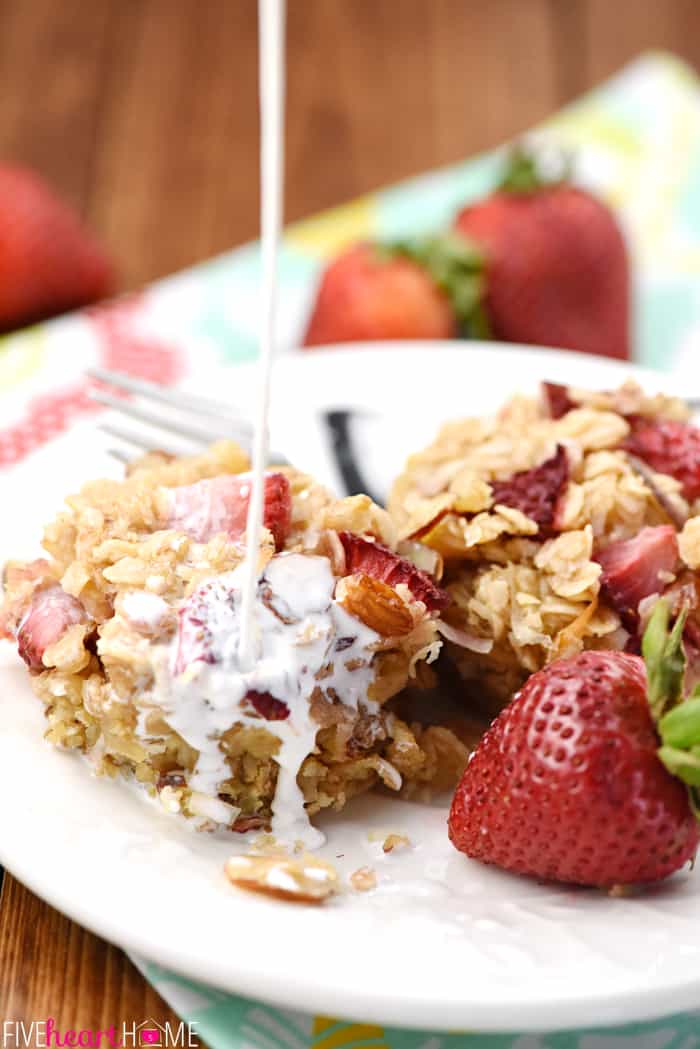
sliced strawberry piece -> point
(669, 447)
(50, 614)
(22, 578)
(194, 638)
(266, 705)
(377, 561)
(536, 492)
(557, 398)
(277, 513)
(220, 504)
(633, 568)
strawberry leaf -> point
(678, 720)
(457, 266)
(680, 743)
(525, 171)
(664, 656)
(685, 764)
(680, 727)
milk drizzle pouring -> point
(271, 16)
(251, 647)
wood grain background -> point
(144, 114)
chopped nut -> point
(569, 640)
(689, 543)
(170, 799)
(422, 557)
(213, 809)
(306, 879)
(363, 879)
(395, 841)
(388, 774)
(377, 605)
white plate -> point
(442, 942)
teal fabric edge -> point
(227, 1021)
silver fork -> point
(200, 420)
(191, 418)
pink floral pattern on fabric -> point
(121, 346)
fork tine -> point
(201, 434)
(120, 455)
(185, 401)
(138, 440)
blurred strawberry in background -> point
(49, 262)
(536, 261)
(426, 288)
(557, 269)
(367, 293)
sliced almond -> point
(422, 557)
(300, 879)
(395, 841)
(363, 879)
(377, 605)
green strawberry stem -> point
(677, 717)
(457, 267)
(524, 174)
(664, 656)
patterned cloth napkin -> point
(637, 139)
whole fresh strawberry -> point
(557, 268)
(422, 289)
(580, 778)
(48, 262)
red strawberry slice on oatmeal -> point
(636, 568)
(537, 492)
(220, 504)
(557, 399)
(373, 559)
(50, 614)
(669, 447)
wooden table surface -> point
(144, 114)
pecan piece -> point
(377, 605)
